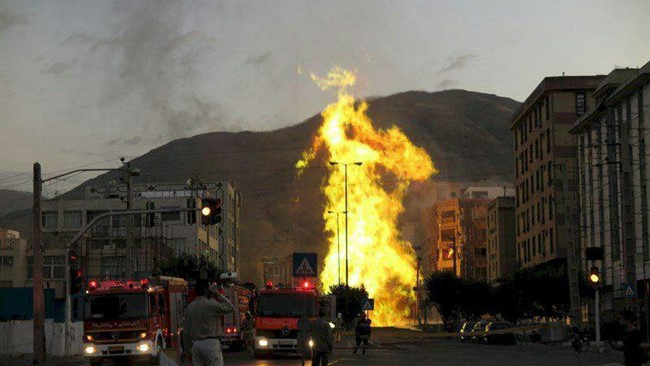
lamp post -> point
(39, 303)
(334, 163)
(338, 244)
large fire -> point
(378, 258)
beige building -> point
(501, 236)
(613, 174)
(13, 251)
(460, 242)
(543, 146)
(156, 236)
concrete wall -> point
(16, 338)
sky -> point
(83, 83)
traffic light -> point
(594, 277)
(75, 272)
(210, 211)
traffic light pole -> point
(38, 345)
(597, 311)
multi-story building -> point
(155, 236)
(613, 170)
(460, 241)
(501, 248)
(12, 259)
(545, 157)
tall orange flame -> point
(378, 258)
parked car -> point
(505, 338)
(466, 328)
(478, 330)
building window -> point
(6, 268)
(50, 220)
(72, 219)
(113, 266)
(581, 103)
(170, 216)
(551, 241)
(548, 140)
(548, 108)
(53, 267)
(480, 194)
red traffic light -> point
(92, 285)
(305, 284)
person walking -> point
(633, 349)
(338, 325)
(205, 325)
(248, 331)
(362, 333)
(302, 347)
(322, 338)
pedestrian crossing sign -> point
(369, 305)
(305, 265)
(629, 291)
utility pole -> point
(129, 222)
(37, 245)
(572, 253)
(346, 225)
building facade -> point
(460, 242)
(156, 237)
(613, 174)
(546, 165)
(501, 236)
(13, 251)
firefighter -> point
(323, 339)
(362, 333)
(338, 324)
(205, 324)
(248, 330)
(303, 338)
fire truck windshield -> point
(286, 305)
(118, 306)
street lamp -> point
(334, 163)
(338, 243)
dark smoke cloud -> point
(458, 62)
(10, 18)
(157, 62)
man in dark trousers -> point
(323, 338)
(362, 333)
(633, 348)
(203, 318)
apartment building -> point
(460, 244)
(545, 157)
(12, 260)
(613, 169)
(501, 236)
(156, 236)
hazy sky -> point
(85, 81)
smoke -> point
(158, 62)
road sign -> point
(629, 291)
(305, 265)
(368, 305)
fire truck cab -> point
(133, 319)
(277, 311)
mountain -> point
(11, 200)
(465, 132)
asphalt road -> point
(408, 347)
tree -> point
(356, 297)
(443, 291)
(189, 267)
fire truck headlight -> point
(89, 338)
(263, 342)
(143, 347)
(311, 343)
(143, 335)
(332, 325)
(89, 350)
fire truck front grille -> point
(275, 334)
(117, 336)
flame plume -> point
(378, 258)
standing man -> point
(338, 324)
(321, 335)
(633, 349)
(205, 324)
(362, 333)
(248, 330)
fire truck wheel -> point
(155, 358)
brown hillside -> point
(465, 132)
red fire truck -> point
(277, 311)
(133, 319)
(240, 298)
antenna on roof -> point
(562, 73)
